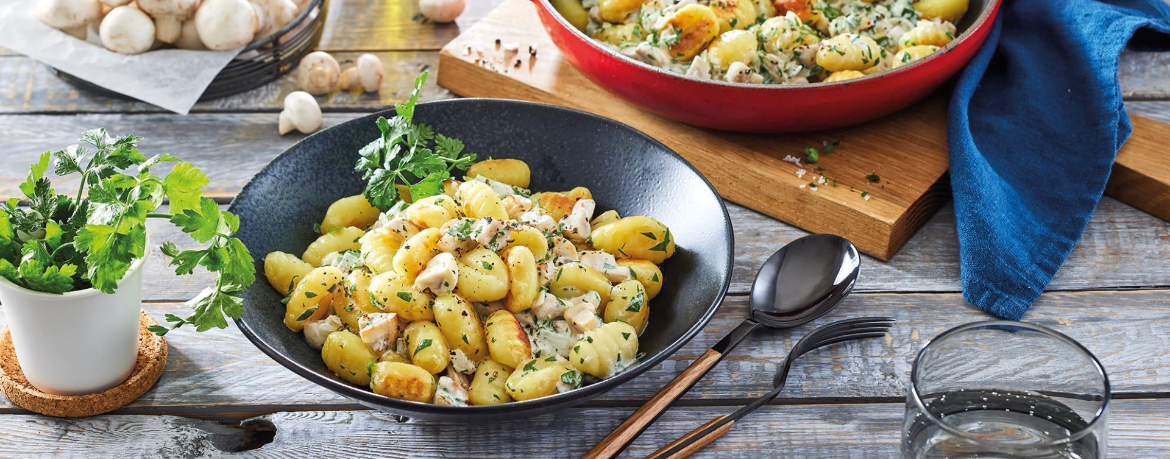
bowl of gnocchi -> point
(769, 66)
(564, 257)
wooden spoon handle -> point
(696, 444)
(625, 433)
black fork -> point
(836, 332)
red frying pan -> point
(768, 108)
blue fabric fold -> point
(1035, 123)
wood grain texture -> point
(907, 149)
(231, 148)
(1138, 429)
(29, 87)
(628, 430)
(1141, 174)
(1129, 331)
(697, 443)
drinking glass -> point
(1004, 389)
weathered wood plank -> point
(1138, 429)
(1129, 331)
(27, 86)
(1122, 247)
(374, 25)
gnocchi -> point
(782, 41)
(484, 293)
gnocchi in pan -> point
(769, 41)
(482, 295)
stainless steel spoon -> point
(800, 282)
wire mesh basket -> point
(257, 64)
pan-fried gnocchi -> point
(768, 41)
(485, 293)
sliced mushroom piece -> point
(582, 317)
(317, 330)
(439, 276)
(576, 224)
(606, 264)
(379, 330)
(549, 306)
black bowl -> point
(625, 169)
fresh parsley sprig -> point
(60, 243)
(404, 155)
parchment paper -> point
(169, 78)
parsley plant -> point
(61, 243)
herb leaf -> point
(402, 155)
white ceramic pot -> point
(78, 342)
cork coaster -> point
(152, 358)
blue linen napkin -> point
(1035, 123)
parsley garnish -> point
(61, 243)
(486, 265)
(422, 345)
(530, 366)
(405, 296)
(635, 304)
(873, 177)
(811, 155)
(307, 314)
(571, 378)
(401, 155)
(661, 246)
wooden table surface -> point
(221, 396)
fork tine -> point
(871, 332)
(844, 326)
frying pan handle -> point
(624, 434)
(695, 443)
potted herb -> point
(71, 265)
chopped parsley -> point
(635, 304)
(811, 155)
(571, 378)
(661, 246)
(405, 296)
(873, 177)
(307, 314)
(422, 345)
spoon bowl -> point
(804, 280)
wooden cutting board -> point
(881, 182)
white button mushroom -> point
(301, 113)
(366, 74)
(127, 30)
(68, 14)
(168, 16)
(273, 15)
(318, 73)
(189, 36)
(226, 24)
(441, 10)
(115, 3)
